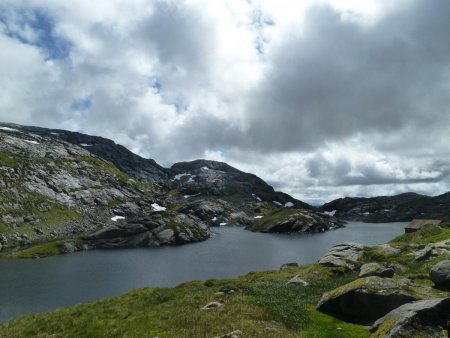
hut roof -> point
(416, 224)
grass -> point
(44, 250)
(261, 306)
(7, 159)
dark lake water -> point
(29, 286)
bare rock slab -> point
(426, 318)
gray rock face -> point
(120, 156)
(375, 269)
(343, 255)
(367, 299)
(426, 318)
(162, 230)
(440, 274)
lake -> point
(29, 286)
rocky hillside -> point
(398, 289)
(68, 191)
(399, 208)
(61, 194)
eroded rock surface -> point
(426, 318)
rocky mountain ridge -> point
(398, 208)
(68, 191)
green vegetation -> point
(262, 305)
(44, 250)
(7, 159)
(107, 167)
(47, 249)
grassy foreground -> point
(262, 305)
(259, 304)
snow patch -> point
(157, 207)
(289, 205)
(214, 219)
(85, 145)
(258, 217)
(223, 224)
(191, 179)
(187, 196)
(256, 197)
(330, 213)
(204, 168)
(53, 133)
(277, 203)
(366, 213)
(8, 129)
(32, 142)
(179, 176)
(116, 218)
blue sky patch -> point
(54, 46)
(82, 104)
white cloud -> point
(320, 98)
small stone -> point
(233, 334)
(297, 281)
(212, 305)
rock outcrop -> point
(367, 299)
(295, 220)
(376, 269)
(53, 190)
(426, 318)
(344, 255)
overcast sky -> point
(322, 99)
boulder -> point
(366, 299)
(68, 247)
(288, 265)
(165, 236)
(297, 281)
(426, 318)
(212, 305)
(388, 249)
(375, 269)
(233, 334)
(343, 255)
(425, 253)
(440, 274)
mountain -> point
(398, 208)
(68, 191)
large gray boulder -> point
(440, 274)
(426, 318)
(376, 269)
(366, 299)
(343, 255)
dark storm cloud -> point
(340, 78)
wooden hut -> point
(416, 224)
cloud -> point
(320, 98)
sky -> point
(322, 99)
